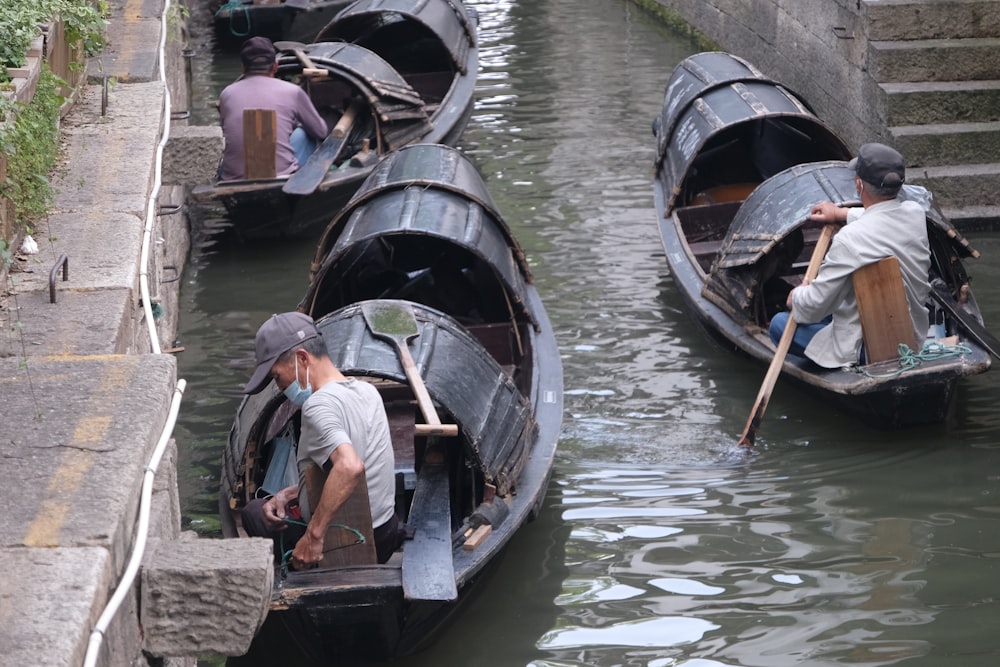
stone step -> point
(957, 188)
(890, 20)
(947, 144)
(971, 59)
(927, 102)
(974, 219)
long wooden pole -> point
(764, 395)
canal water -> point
(660, 543)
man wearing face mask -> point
(883, 226)
(344, 431)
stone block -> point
(204, 596)
(925, 102)
(931, 19)
(192, 154)
(972, 59)
(948, 143)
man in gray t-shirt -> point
(345, 432)
(300, 127)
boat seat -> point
(884, 311)
(341, 545)
(259, 143)
(723, 193)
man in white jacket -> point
(884, 226)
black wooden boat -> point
(297, 20)
(740, 162)
(423, 228)
(410, 70)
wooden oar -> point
(311, 174)
(764, 395)
(394, 321)
(967, 321)
(298, 48)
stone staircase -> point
(938, 64)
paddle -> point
(968, 322)
(394, 321)
(309, 68)
(311, 174)
(764, 395)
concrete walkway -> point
(84, 402)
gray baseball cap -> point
(879, 165)
(281, 333)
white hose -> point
(142, 531)
(146, 498)
(151, 206)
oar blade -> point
(392, 319)
(311, 174)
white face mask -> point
(294, 392)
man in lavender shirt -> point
(300, 127)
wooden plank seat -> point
(341, 546)
(884, 311)
(723, 193)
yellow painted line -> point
(77, 459)
(132, 10)
(66, 356)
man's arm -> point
(347, 468)
(309, 117)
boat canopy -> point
(423, 204)
(495, 418)
(399, 110)
(389, 25)
(723, 122)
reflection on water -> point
(660, 543)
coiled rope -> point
(233, 6)
(910, 359)
(286, 556)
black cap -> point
(879, 165)
(258, 53)
(281, 333)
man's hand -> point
(788, 301)
(308, 552)
(828, 212)
(274, 507)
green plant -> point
(20, 22)
(31, 143)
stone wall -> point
(814, 47)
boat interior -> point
(410, 47)
(730, 166)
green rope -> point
(286, 556)
(232, 6)
(931, 351)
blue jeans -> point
(803, 332)
(302, 145)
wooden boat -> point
(410, 71)
(423, 228)
(235, 21)
(740, 162)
